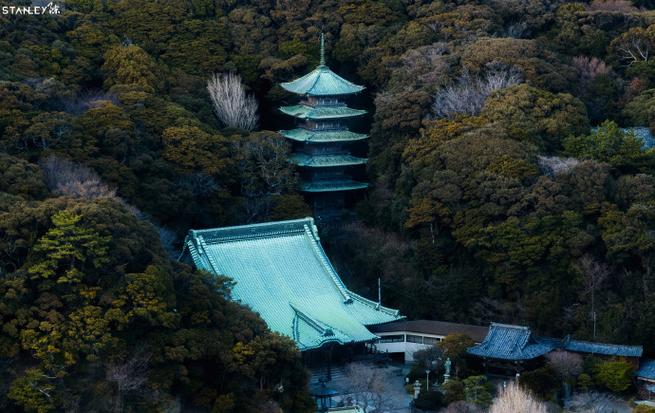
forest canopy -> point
(506, 183)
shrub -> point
(642, 408)
(542, 382)
(454, 390)
(477, 390)
(429, 400)
(584, 382)
(615, 375)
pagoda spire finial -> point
(322, 49)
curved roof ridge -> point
(515, 326)
(327, 266)
(309, 320)
(374, 304)
(251, 231)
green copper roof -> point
(322, 82)
(314, 136)
(332, 186)
(321, 112)
(281, 271)
(323, 161)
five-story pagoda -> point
(322, 144)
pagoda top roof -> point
(321, 112)
(332, 185)
(282, 272)
(324, 161)
(322, 136)
(322, 82)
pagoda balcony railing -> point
(336, 150)
(315, 101)
(322, 127)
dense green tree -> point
(615, 375)
(194, 150)
(530, 114)
(455, 346)
(477, 390)
(19, 177)
(542, 382)
(609, 144)
(129, 65)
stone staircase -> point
(338, 373)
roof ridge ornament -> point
(322, 49)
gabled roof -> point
(510, 342)
(333, 186)
(437, 328)
(324, 161)
(316, 136)
(646, 370)
(282, 272)
(322, 82)
(604, 349)
(321, 112)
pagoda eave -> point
(327, 136)
(332, 186)
(321, 113)
(326, 161)
(321, 82)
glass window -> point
(396, 338)
(414, 339)
(431, 340)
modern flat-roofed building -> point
(401, 339)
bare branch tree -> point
(468, 94)
(566, 364)
(231, 104)
(515, 399)
(555, 165)
(591, 402)
(594, 274)
(67, 178)
(64, 177)
(129, 376)
(264, 171)
(618, 6)
(370, 387)
(590, 67)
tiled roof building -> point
(646, 370)
(281, 271)
(518, 343)
(510, 342)
(602, 349)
